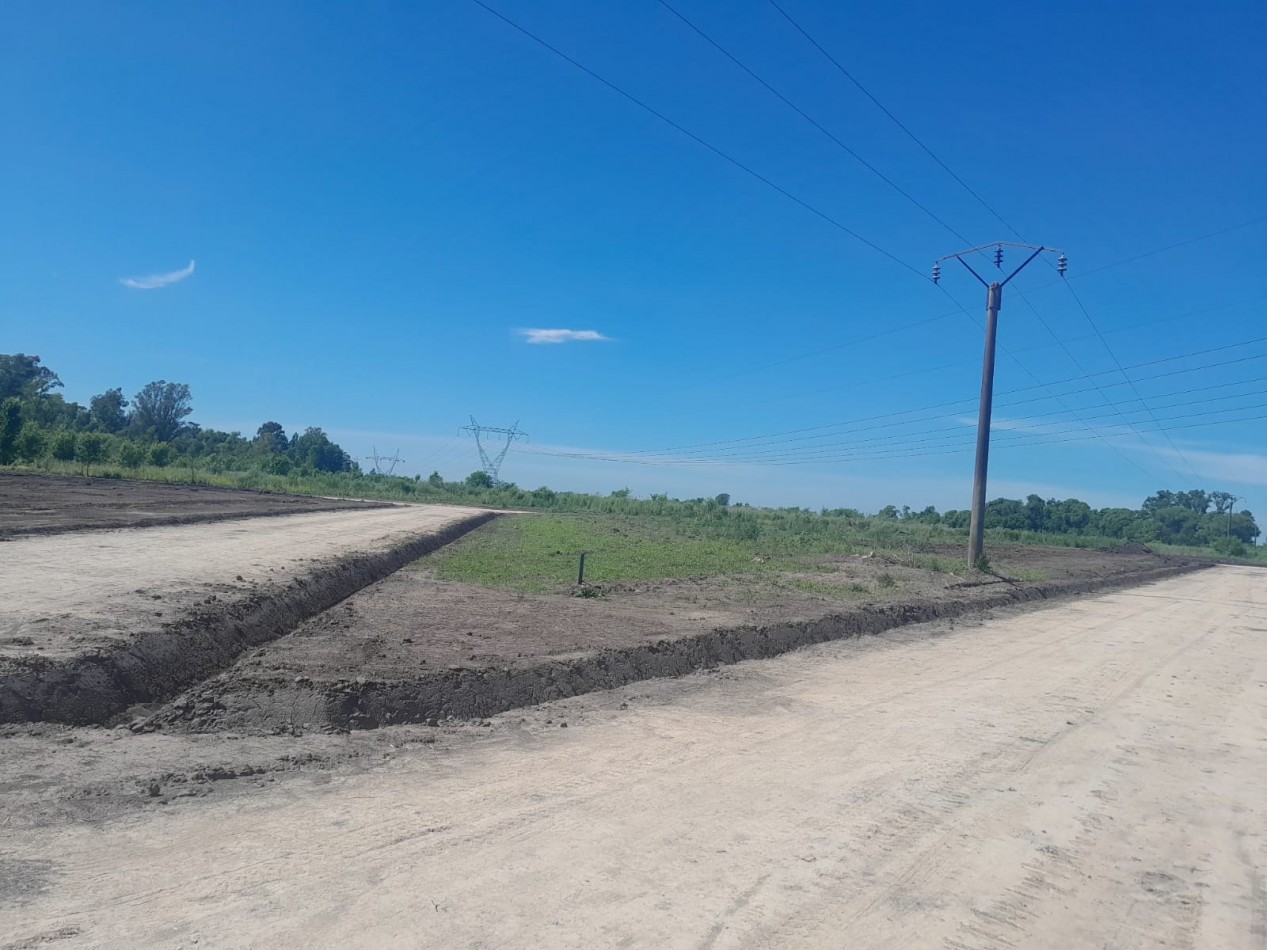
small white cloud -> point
(562, 336)
(154, 281)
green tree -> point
(10, 429)
(271, 437)
(315, 450)
(109, 410)
(435, 479)
(31, 443)
(63, 447)
(90, 449)
(1035, 513)
(132, 455)
(723, 499)
(160, 410)
(160, 455)
(22, 377)
(1006, 513)
(479, 480)
(1222, 501)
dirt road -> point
(1088, 775)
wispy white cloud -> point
(562, 336)
(154, 281)
(1245, 468)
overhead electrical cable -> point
(747, 169)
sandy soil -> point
(49, 504)
(62, 595)
(1086, 775)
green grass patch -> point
(539, 553)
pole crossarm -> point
(1062, 262)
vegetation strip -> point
(273, 705)
(92, 689)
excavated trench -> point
(157, 665)
(243, 702)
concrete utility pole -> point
(993, 303)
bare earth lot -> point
(50, 504)
(1088, 774)
(412, 648)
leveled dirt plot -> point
(415, 649)
(93, 621)
(50, 504)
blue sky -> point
(380, 199)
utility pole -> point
(1231, 506)
(993, 303)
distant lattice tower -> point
(492, 465)
(380, 460)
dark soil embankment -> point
(155, 665)
(309, 688)
(51, 504)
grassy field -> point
(539, 553)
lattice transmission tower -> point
(380, 460)
(492, 465)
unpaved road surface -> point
(63, 594)
(1087, 775)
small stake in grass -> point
(580, 571)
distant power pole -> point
(493, 466)
(993, 303)
(1231, 506)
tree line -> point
(1195, 518)
(150, 429)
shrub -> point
(90, 449)
(31, 443)
(1229, 547)
(63, 447)
(131, 455)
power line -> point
(1118, 363)
(1046, 386)
(1025, 369)
(814, 210)
(985, 205)
(834, 222)
(814, 122)
(896, 121)
(759, 448)
(1027, 438)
